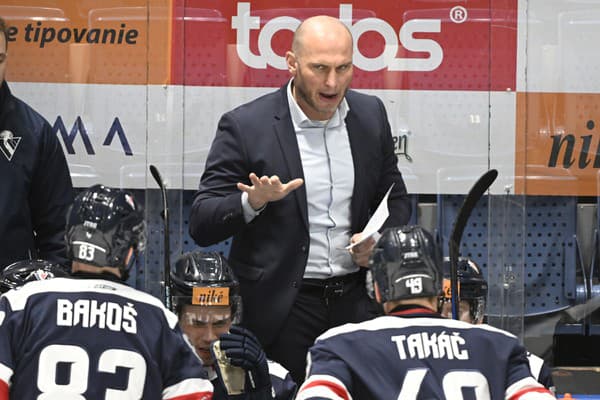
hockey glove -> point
(243, 350)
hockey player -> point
(413, 352)
(19, 273)
(208, 302)
(472, 295)
(94, 337)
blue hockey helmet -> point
(19, 273)
(406, 263)
(205, 279)
(472, 287)
(102, 225)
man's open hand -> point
(266, 189)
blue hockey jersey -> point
(93, 339)
(540, 371)
(416, 354)
(284, 387)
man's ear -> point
(290, 60)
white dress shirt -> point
(329, 181)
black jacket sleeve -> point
(50, 196)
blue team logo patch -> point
(8, 144)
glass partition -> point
(508, 85)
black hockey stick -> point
(167, 250)
(480, 187)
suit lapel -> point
(361, 167)
(291, 154)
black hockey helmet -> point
(472, 287)
(205, 279)
(102, 225)
(19, 273)
(406, 263)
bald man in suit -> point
(294, 177)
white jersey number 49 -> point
(453, 383)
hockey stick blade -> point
(165, 216)
(161, 184)
(480, 187)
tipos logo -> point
(244, 22)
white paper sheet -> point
(377, 219)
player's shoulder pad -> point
(392, 322)
(18, 297)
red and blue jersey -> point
(93, 339)
(420, 357)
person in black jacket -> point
(36, 184)
(293, 177)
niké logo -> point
(569, 142)
(79, 128)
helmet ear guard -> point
(405, 264)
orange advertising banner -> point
(557, 144)
(88, 41)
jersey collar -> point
(107, 276)
(413, 311)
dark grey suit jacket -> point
(269, 254)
